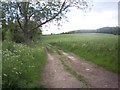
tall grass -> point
(102, 49)
(22, 65)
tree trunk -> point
(26, 36)
(26, 33)
(25, 30)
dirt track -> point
(55, 75)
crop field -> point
(22, 65)
(101, 49)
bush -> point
(22, 65)
(17, 37)
(12, 32)
(35, 34)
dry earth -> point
(55, 75)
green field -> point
(102, 49)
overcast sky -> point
(103, 13)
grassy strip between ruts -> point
(74, 73)
(22, 65)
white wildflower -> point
(16, 72)
(14, 68)
(19, 72)
(32, 66)
(5, 75)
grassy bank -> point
(22, 65)
(101, 49)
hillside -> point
(108, 30)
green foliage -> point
(3, 33)
(101, 49)
(22, 65)
(16, 32)
(34, 34)
(12, 32)
(8, 35)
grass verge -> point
(22, 65)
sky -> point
(104, 13)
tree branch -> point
(19, 22)
(31, 14)
(63, 4)
(19, 8)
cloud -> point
(103, 6)
(102, 14)
(105, 0)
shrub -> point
(22, 65)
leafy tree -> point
(42, 12)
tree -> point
(40, 13)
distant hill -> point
(107, 30)
(82, 31)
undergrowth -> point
(22, 65)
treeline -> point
(107, 30)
